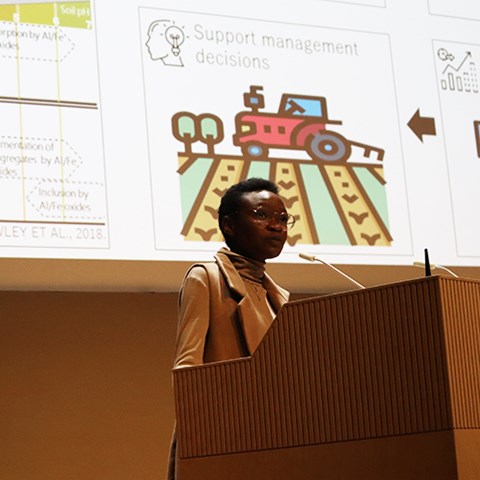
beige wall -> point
(85, 385)
(166, 276)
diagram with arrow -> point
(52, 187)
(458, 88)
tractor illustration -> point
(336, 198)
(301, 123)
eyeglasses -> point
(285, 219)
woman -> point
(227, 306)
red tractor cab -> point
(301, 123)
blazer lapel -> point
(277, 295)
(247, 313)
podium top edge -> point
(414, 281)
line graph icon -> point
(458, 75)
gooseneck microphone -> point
(433, 267)
(313, 258)
(429, 267)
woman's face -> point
(255, 230)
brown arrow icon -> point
(421, 126)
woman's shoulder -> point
(201, 272)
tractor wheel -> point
(329, 147)
(255, 150)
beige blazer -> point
(217, 319)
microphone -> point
(422, 264)
(428, 271)
(313, 258)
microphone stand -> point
(313, 258)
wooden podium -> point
(381, 383)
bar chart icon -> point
(461, 78)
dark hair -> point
(232, 198)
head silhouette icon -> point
(164, 42)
